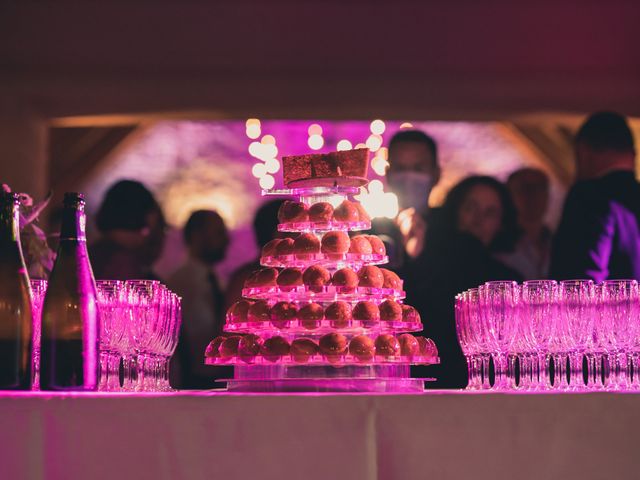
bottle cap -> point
(9, 197)
(73, 199)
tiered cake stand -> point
(321, 334)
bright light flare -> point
(375, 186)
(267, 182)
(255, 149)
(374, 142)
(314, 129)
(272, 165)
(315, 142)
(377, 127)
(344, 145)
(253, 128)
(268, 140)
(268, 151)
(259, 170)
(379, 165)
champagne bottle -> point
(70, 328)
(15, 301)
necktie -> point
(218, 302)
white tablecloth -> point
(355, 437)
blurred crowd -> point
(485, 230)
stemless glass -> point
(499, 301)
(620, 311)
(39, 289)
(539, 311)
(576, 311)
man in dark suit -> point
(413, 171)
(599, 234)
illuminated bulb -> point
(272, 165)
(344, 145)
(267, 151)
(378, 203)
(253, 131)
(369, 209)
(315, 142)
(374, 142)
(371, 205)
(253, 128)
(375, 186)
(334, 200)
(379, 165)
(377, 127)
(406, 125)
(259, 170)
(314, 129)
(383, 153)
(255, 149)
(361, 145)
(267, 182)
(390, 205)
(268, 140)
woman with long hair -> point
(477, 220)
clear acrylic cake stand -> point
(318, 374)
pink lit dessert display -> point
(321, 315)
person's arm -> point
(583, 242)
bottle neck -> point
(73, 224)
(9, 222)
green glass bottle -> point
(70, 327)
(16, 319)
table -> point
(435, 435)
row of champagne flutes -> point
(139, 329)
(548, 335)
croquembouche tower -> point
(321, 315)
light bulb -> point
(259, 170)
(314, 129)
(390, 203)
(374, 142)
(267, 182)
(375, 186)
(268, 151)
(377, 127)
(255, 149)
(253, 128)
(379, 165)
(315, 142)
(344, 145)
(272, 165)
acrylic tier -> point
(321, 314)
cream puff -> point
(316, 277)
